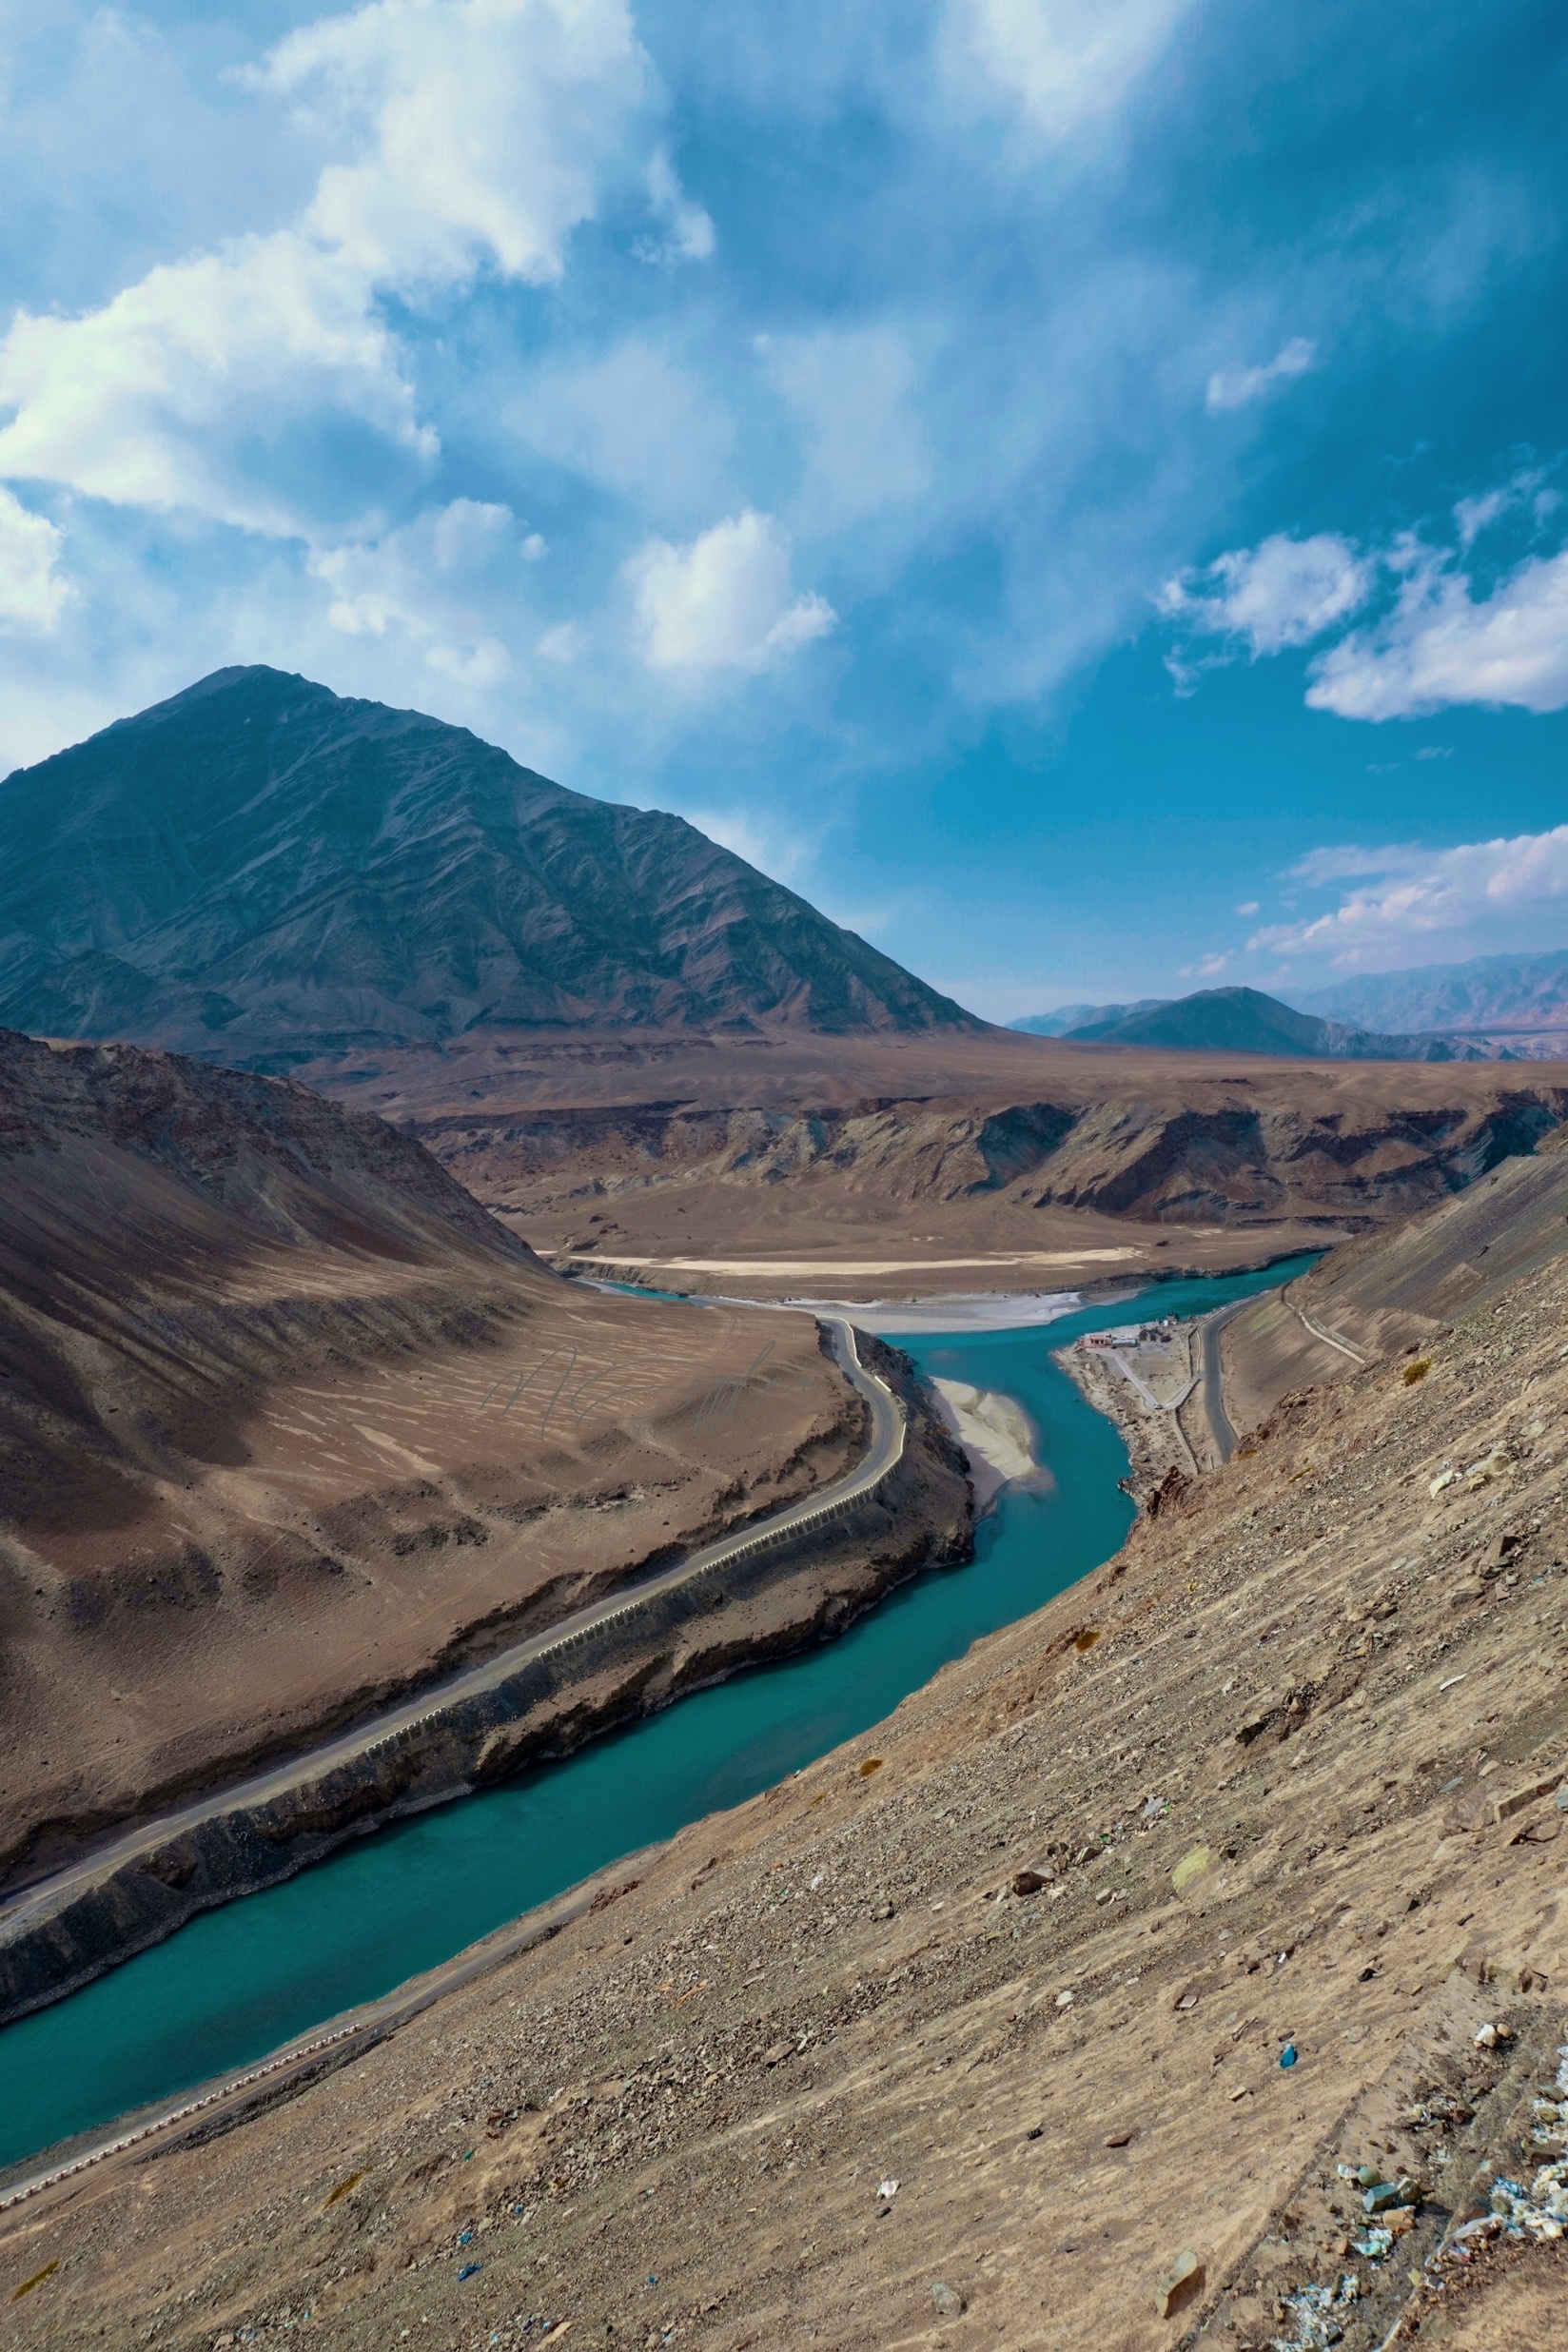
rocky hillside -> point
(1185, 1966)
(1382, 1294)
(289, 1423)
(261, 871)
(1234, 1149)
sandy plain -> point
(854, 1166)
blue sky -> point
(1079, 488)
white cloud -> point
(724, 601)
(1249, 905)
(141, 402)
(1067, 62)
(565, 643)
(480, 131)
(689, 232)
(864, 449)
(637, 422)
(1407, 893)
(1234, 387)
(1527, 488)
(482, 127)
(1437, 644)
(431, 582)
(1283, 592)
(1441, 646)
(33, 589)
(766, 845)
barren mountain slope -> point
(288, 1421)
(259, 870)
(978, 1157)
(1384, 1292)
(968, 2032)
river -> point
(240, 1981)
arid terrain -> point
(1380, 1294)
(289, 1425)
(867, 1166)
(1056, 2012)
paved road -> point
(1219, 1421)
(43, 1900)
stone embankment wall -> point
(770, 1603)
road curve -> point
(48, 1896)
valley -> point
(398, 1433)
(991, 1162)
(1054, 2006)
(292, 1429)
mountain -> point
(1070, 1017)
(261, 870)
(1495, 994)
(1245, 1021)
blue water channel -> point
(238, 1982)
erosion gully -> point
(238, 1982)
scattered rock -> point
(1181, 2284)
(949, 2304)
(1191, 1868)
(1505, 1806)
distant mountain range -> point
(1490, 994)
(1070, 1017)
(1245, 1021)
(263, 873)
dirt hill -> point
(1061, 2012)
(1388, 1293)
(289, 1423)
(263, 871)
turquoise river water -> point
(239, 1982)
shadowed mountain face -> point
(261, 872)
(1246, 1021)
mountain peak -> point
(264, 871)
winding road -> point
(46, 1898)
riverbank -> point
(1159, 1447)
(248, 1978)
(994, 1432)
(803, 1577)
